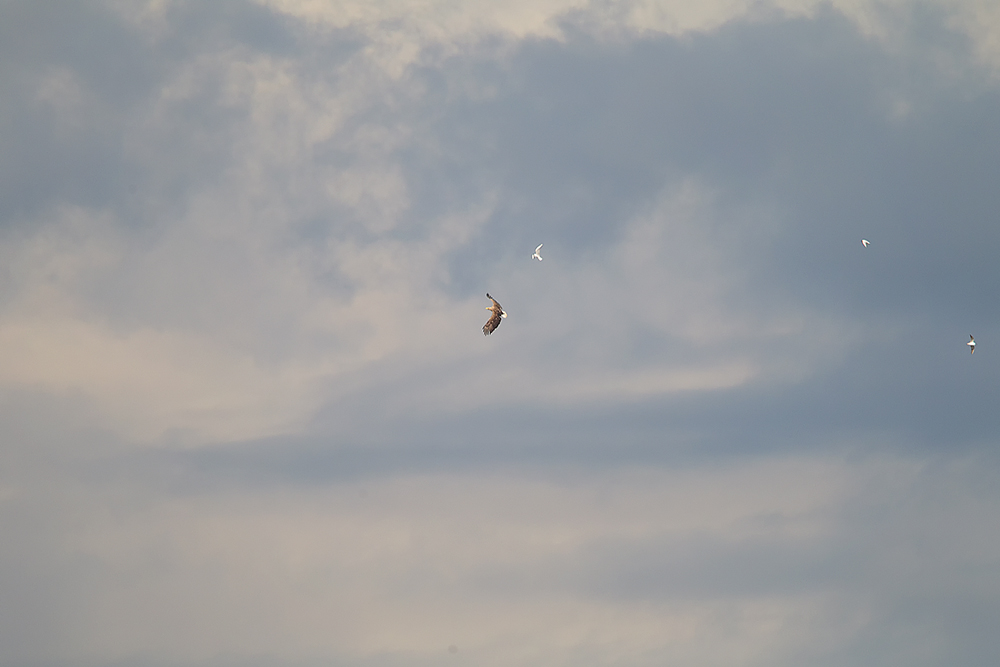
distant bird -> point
(865, 242)
(971, 344)
(536, 255)
(494, 321)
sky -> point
(248, 417)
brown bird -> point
(494, 321)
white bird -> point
(865, 242)
(536, 255)
(971, 344)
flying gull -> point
(536, 255)
(971, 344)
(494, 321)
(865, 242)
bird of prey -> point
(494, 321)
(865, 242)
(971, 344)
(536, 255)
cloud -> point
(249, 416)
(297, 226)
(779, 561)
(305, 233)
(401, 34)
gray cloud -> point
(249, 419)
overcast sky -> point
(248, 417)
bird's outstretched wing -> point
(492, 324)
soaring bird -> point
(536, 255)
(971, 344)
(494, 321)
(865, 242)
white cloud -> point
(581, 334)
(219, 329)
(145, 378)
(223, 320)
(402, 32)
